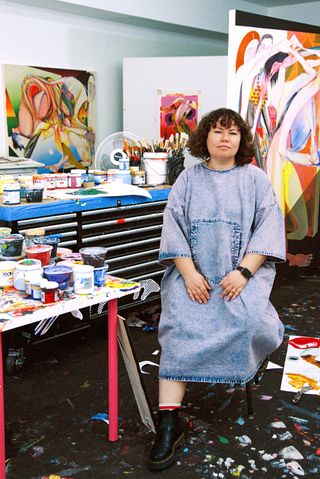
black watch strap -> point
(245, 272)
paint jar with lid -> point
(61, 180)
(99, 176)
(51, 182)
(49, 292)
(11, 194)
(4, 180)
(122, 176)
(36, 289)
(11, 246)
(31, 277)
(110, 175)
(75, 180)
(4, 231)
(41, 180)
(34, 194)
(25, 181)
(7, 269)
(138, 178)
(23, 267)
(33, 233)
(83, 279)
(124, 163)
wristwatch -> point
(245, 272)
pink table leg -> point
(112, 369)
(2, 423)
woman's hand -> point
(232, 285)
(197, 287)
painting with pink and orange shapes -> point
(274, 83)
(50, 115)
(178, 113)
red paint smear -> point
(305, 343)
(120, 221)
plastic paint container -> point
(36, 289)
(49, 292)
(155, 165)
(99, 177)
(7, 269)
(94, 255)
(33, 233)
(61, 180)
(24, 267)
(122, 176)
(61, 251)
(83, 279)
(61, 274)
(100, 275)
(11, 245)
(34, 194)
(31, 277)
(138, 177)
(11, 194)
(74, 180)
(4, 231)
(39, 251)
(52, 241)
(4, 180)
(124, 163)
(71, 257)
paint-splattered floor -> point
(49, 404)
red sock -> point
(169, 406)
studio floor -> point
(49, 404)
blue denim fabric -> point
(215, 218)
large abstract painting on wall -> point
(178, 113)
(50, 115)
(274, 83)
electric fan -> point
(111, 149)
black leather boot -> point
(170, 435)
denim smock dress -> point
(216, 217)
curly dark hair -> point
(197, 144)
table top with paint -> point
(55, 207)
(14, 316)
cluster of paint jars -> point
(42, 270)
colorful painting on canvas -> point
(274, 83)
(178, 113)
(50, 115)
(302, 365)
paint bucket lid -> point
(35, 232)
(38, 248)
(58, 269)
(8, 265)
(82, 268)
(28, 264)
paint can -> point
(7, 269)
(138, 177)
(122, 176)
(4, 231)
(11, 246)
(100, 275)
(83, 279)
(75, 180)
(50, 240)
(94, 255)
(33, 194)
(155, 165)
(23, 267)
(11, 194)
(39, 251)
(36, 289)
(33, 233)
(61, 180)
(31, 277)
(61, 274)
(49, 292)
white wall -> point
(42, 37)
(146, 79)
(307, 12)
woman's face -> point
(223, 143)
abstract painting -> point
(50, 115)
(302, 365)
(274, 83)
(178, 113)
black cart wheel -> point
(15, 360)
